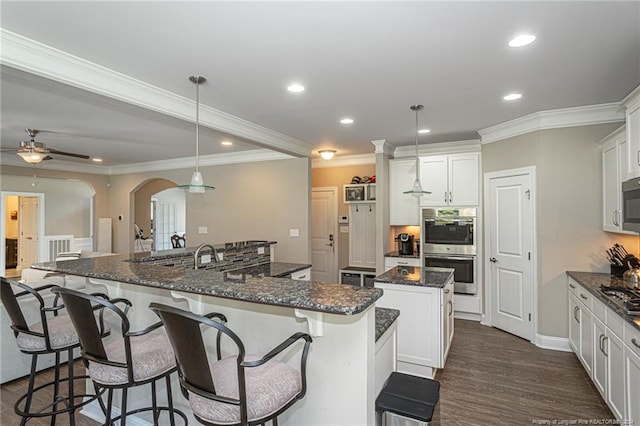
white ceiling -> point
(366, 60)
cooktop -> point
(627, 299)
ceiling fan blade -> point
(68, 154)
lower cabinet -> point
(391, 262)
(609, 350)
(425, 325)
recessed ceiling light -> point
(347, 121)
(226, 143)
(512, 96)
(424, 131)
(97, 160)
(295, 88)
(522, 40)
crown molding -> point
(383, 147)
(438, 148)
(632, 101)
(154, 166)
(350, 160)
(553, 119)
(36, 58)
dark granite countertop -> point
(239, 285)
(149, 256)
(272, 269)
(415, 255)
(384, 318)
(414, 275)
(592, 281)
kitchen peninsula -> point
(262, 309)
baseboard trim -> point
(467, 316)
(553, 343)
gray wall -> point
(569, 209)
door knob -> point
(493, 259)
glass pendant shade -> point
(416, 189)
(32, 157)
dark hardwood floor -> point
(491, 378)
(494, 378)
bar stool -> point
(137, 358)
(236, 390)
(54, 334)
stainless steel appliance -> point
(630, 205)
(448, 241)
(406, 244)
(626, 299)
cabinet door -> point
(599, 357)
(574, 323)
(404, 209)
(610, 187)
(615, 374)
(447, 322)
(362, 235)
(586, 338)
(463, 179)
(433, 176)
(633, 140)
(632, 386)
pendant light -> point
(416, 189)
(197, 185)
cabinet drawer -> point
(390, 262)
(585, 297)
(632, 338)
(599, 310)
(573, 286)
(615, 323)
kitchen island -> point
(263, 310)
(424, 296)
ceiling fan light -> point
(32, 157)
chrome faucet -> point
(197, 254)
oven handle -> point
(435, 256)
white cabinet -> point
(599, 376)
(632, 374)
(632, 112)
(362, 235)
(421, 349)
(581, 332)
(574, 324)
(614, 172)
(404, 209)
(615, 373)
(304, 275)
(392, 262)
(451, 179)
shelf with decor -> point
(359, 193)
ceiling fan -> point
(34, 152)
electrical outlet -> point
(205, 258)
(202, 230)
(260, 250)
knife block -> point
(617, 270)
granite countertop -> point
(238, 284)
(272, 269)
(395, 253)
(592, 281)
(384, 318)
(414, 275)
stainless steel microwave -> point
(631, 205)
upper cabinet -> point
(614, 171)
(632, 107)
(404, 209)
(453, 180)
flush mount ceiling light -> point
(347, 120)
(296, 88)
(32, 156)
(522, 40)
(197, 185)
(416, 189)
(327, 154)
(512, 97)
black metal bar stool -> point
(409, 399)
(137, 358)
(54, 334)
(236, 390)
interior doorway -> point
(22, 231)
(324, 218)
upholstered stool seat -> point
(269, 387)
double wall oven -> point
(448, 241)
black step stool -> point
(408, 399)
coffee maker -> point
(405, 244)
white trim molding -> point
(350, 160)
(553, 343)
(553, 119)
(36, 58)
(383, 147)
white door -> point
(28, 222)
(324, 215)
(510, 236)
